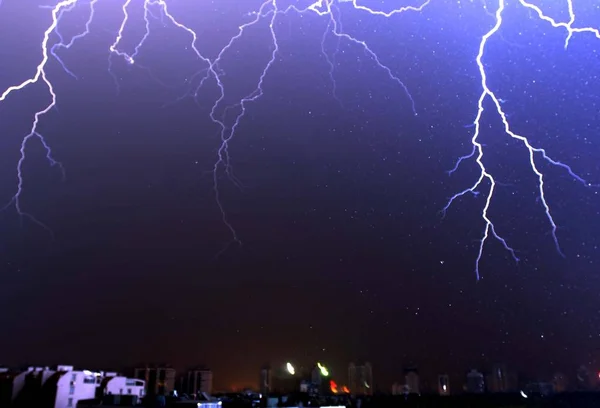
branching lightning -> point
(40, 73)
(53, 44)
(478, 150)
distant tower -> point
(475, 382)
(498, 380)
(352, 379)
(360, 379)
(160, 379)
(411, 378)
(444, 385)
(265, 380)
(367, 376)
(197, 380)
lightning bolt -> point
(62, 44)
(40, 74)
(478, 150)
(269, 12)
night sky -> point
(336, 191)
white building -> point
(58, 386)
(63, 387)
(73, 385)
(119, 385)
(11, 383)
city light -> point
(290, 368)
(324, 371)
(333, 387)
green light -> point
(324, 371)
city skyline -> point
(408, 379)
(164, 379)
(240, 182)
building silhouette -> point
(397, 389)
(159, 379)
(64, 386)
(501, 379)
(196, 381)
(411, 380)
(315, 377)
(264, 384)
(360, 379)
(475, 382)
(443, 384)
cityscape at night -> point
(290, 203)
(285, 385)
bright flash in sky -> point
(324, 371)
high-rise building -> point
(499, 379)
(197, 381)
(352, 378)
(360, 379)
(264, 384)
(160, 380)
(475, 382)
(411, 378)
(444, 384)
(502, 379)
